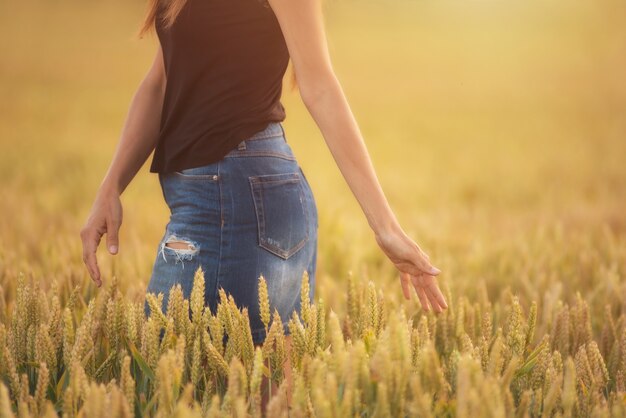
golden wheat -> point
(503, 155)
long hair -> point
(171, 10)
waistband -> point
(272, 130)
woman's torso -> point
(224, 62)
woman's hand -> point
(415, 268)
(105, 218)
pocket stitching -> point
(213, 177)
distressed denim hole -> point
(182, 248)
(183, 245)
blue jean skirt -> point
(250, 214)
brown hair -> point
(171, 11)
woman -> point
(240, 203)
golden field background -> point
(497, 129)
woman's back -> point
(224, 61)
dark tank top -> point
(224, 63)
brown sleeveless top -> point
(224, 61)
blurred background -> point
(497, 129)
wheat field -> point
(498, 132)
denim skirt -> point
(250, 214)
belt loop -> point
(242, 145)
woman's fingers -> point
(430, 283)
(105, 218)
(404, 281)
(91, 239)
(423, 299)
(113, 227)
(414, 265)
(437, 292)
(429, 286)
(426, 289)
(434, 301)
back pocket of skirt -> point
(281, 215)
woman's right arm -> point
(137, 141)
(140, 130)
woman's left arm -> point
(301, 22)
